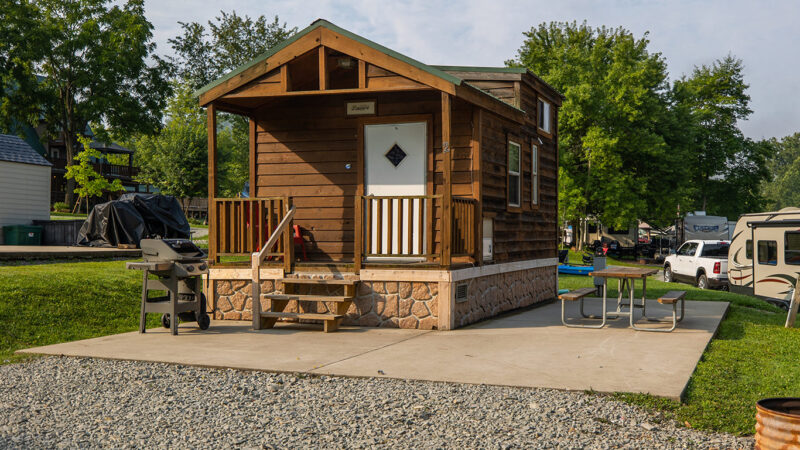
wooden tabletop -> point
(624, 272)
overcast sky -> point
(764, 34)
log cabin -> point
(384, 192)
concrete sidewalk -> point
(529, 348)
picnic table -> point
(626, 278)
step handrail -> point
(256, 260)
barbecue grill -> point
(178, 266)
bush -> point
(60, 207)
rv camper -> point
(699, 226)
(764, 257)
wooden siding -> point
(25, 193)
(304, 144)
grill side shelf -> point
(151, 266)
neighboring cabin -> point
(24, 183)
(432, 187)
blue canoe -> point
(574, 270)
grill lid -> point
(170, 250)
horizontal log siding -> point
(531, 232)
(303, 145)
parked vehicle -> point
(699, 262)
(769, 272)
(699, 226)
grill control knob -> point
(190, 268)
(202, 267)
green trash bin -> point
(22, 235)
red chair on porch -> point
(298, 240)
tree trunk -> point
(69, 144)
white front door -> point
(394, 165)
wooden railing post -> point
(359, 234)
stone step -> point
(310, 297)
(318, 281)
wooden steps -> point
(330, 320)
(310, 298)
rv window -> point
(715, 250)
(768, 252)
(791, 248)
(748, 249)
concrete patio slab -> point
(529, 348)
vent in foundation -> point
(462, 290)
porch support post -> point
(477, 182)
(253, 159)
(447, 220)
(211, 112)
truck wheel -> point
(702, 281)
(668, 274)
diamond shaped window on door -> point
(395, 155)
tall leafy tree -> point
(90, 183)
(615, 125)
(175, 160)
(716, 97)
(203, 54)
(96, 62)
(784, 167)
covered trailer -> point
(702, 227)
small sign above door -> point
(365, 108)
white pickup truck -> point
(703, 263)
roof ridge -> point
(433, 70)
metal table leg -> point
(143, 315)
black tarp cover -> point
(134, 217)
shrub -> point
(60, 207)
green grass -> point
(66, 216)
(575, 257)
(752, 357)
(50, 303)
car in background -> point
(703, 263)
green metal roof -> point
(482, 69)
(433, 70)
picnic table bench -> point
(579, 295)
(670, 298)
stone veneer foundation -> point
(426, 305)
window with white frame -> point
(514, 179)
(544, 116)
(534, 174)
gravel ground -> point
(72, 402)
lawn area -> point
(575, 257)
(66, 216)
(752, 357)
(50, 303)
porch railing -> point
(463, 241)
(243, 225)
(396, 226)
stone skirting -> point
(491, 295)
(427, 305)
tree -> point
(175, 160)
(614, 126)
(716, 98)
(202, 57)
(90, 183)
(784, 167)
(233, 41)
(96, 63)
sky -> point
(764, 34)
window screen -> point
(768, 252)
(791, 248)
(513, 174)
(544, 116)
